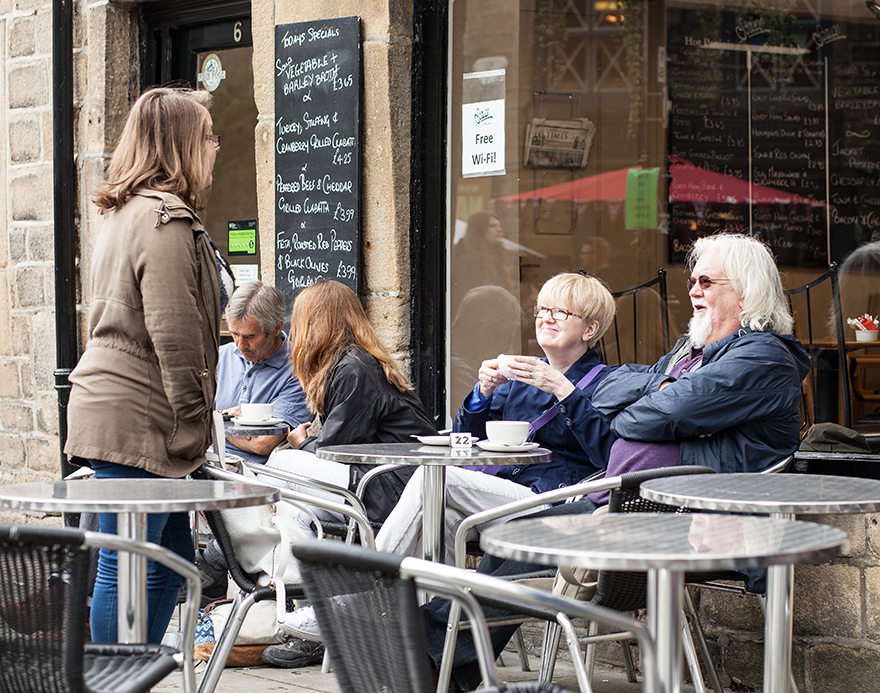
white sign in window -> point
(482, 124)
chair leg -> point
(590, 650)
(520, 643)
(628, 663)
(700, 640)
(325, 663)
(690, 654)
(549, 647)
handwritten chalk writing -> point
(323, 33)
(317, 106)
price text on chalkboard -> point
(317, 153)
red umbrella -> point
(602, 186)
(691, 183)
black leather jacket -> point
(361, 406)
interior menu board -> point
(317, 153)
(773, 129)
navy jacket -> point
(578, 437)
(737, 412)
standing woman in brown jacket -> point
(143, 391)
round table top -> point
(134, 495)
(767, 493)
(419, 454)
(649, 541)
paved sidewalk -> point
(307, 679)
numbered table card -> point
(461, 441)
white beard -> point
(699, 329)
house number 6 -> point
(236, 31)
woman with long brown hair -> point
(353, 385)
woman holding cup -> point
(572, 312)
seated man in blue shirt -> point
(255, 367)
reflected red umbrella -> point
(691, 183)
(602, 186)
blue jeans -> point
(171, 530)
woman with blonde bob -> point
(143, 391)
(352, 383)
(572, 312)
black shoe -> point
(214, 581)
(293, 653)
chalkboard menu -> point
(317, 153)
(773, 129)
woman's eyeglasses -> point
(215, 139)
(705, 282)
(555, 313)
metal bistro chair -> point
(43, 590)
(622, 591)
(249, 591)
(811, 400)
(639, 299)
(367, 605)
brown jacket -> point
(143, 391)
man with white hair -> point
(727, 395)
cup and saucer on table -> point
(253, 414)
(507, 436)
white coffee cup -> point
(257, 412)
(504, 361)
(507, 432)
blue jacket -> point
(737, 412)
(578, 437)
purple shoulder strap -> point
(553, 411)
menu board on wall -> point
(317, 153)
(773, 129)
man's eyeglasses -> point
(555, 313)
(705, 282)
(215, 139)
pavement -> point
(265, 679)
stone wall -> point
(28, 404)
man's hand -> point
(298, 435)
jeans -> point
(465, 670)
(171, 530)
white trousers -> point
(309, 465)
(467, 492)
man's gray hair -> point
(260, 301)
(751, 268)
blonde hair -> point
(584, 294)
(751, 268)
(327, 319)
(162, 148)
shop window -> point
(624, 129)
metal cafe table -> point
(781, 496)
(132, 500)
(435, 459)
(665, 545)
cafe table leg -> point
(778, 629)
(665, 590)
(132, 585)
(433, 519)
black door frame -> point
(428, 205)
(172, 32)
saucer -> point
(494, 447)
(433, 440)
(241, 421)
